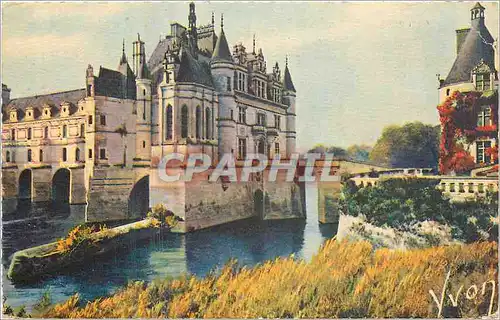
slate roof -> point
(287, 81)
(111, 83)
(52, 99)
(221, 51)
(193, 70)
(477, 46)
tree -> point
(359, 152)
(338, 152)
(413, 145)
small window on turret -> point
(228, 83)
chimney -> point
(5, 94)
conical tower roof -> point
(221, 51)
(287, 80)
(477, 46)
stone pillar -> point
(328, 197)
(78, 191)
(9, 191)
(42, 185)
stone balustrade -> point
(457, 188)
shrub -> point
(403, 202)
(78, 236)
(163, 217)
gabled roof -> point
(221, 51)
(477, 46)
(287, 81)
(193, 70)
(111, 83)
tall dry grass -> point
(345, 279)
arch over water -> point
(25, 191)
(138, 200)
(61, 186)
(258, 203)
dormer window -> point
(483, 81)
(13, 115)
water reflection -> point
(250, 241)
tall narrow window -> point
(481, 154)
(64, 131)
(64, 154)
(29, 155)
(242, 115)
(144, 108)
(7, 156)
(102, 154)
(144, 144)
(82, 130)
(46, 132)
(168, 124)
(13, 134)
(228, 83)
(29, 133)
(41, 155)
(90, 119)
(77, 154)
(242, 148)
(90, 153)
(184, 121)
(103, 119)
(276, 148)
(208, 124)
(199, 121)
(277, 121)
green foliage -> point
(413, 145)
(355, 152)
(165, 217)
(401, 203)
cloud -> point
(44, 45)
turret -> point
(289, 95)
(192, 31)
(477, 15)
(90, 81)
(140, 66)
(222, 73)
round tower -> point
(289, 95)
(222, 73)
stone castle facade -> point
(99, 146)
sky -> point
(357, 67)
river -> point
(249, 241)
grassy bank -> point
(345, 279)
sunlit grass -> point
(345, 279)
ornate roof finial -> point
(222, 20)
(286, 61)
(123, 46)
(213, 19)
(253, 43)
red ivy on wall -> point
(458, 117)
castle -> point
(468, 99)
(99, 146)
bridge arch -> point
(61, 182)
(25, 189)
(138, 200)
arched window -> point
(29, 133)
(199, 121)
(184, 121)
(29, 155)
(168, 123)
(46, 132)
(64, 131)
(7, 156)
(41, 155)
(77, 154)
(208, 124)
